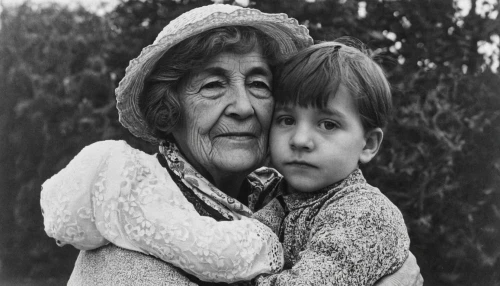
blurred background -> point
(440, 161)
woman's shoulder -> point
(113, 150)
(107, 147)
(97, 158)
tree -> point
(56, 98)
(440, 161)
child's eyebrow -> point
(332, 112)
(281, 107)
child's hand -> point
(407, 275)
(271, 215)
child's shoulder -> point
(360, 201)
(364, 224)
(363, 212)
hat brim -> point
(290, 36)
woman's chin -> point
(239, 161)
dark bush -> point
(440, 161)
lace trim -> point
(112, 192)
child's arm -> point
(272, 215)
(354, 241)
(107, 195)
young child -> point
(331, 102)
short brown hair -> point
(159, 102)
(314, 74)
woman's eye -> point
(259, 84)
(213, 84)
(328, 125)
(212, 89)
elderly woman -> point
(202, 91)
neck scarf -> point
(203, 189)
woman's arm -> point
(170, 229)
(125, 199)
(66, 199)
(407, 275)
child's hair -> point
(312, 76)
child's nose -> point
(302, 140)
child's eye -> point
(259, 84)
(328, 125)
(285, 120)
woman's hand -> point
(407, 275)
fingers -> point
(412, 260)
(420, 280)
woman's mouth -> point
(238, 136)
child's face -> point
(313, 147)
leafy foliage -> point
(440, 161)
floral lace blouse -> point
(111, 192)
(346, 234)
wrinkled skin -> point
(226, 115)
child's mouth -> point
(300, 164)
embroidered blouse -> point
(111, 192)
(346, 234)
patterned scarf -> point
(203, 189)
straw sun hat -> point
(286, 31)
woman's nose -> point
(240, 106)
(301, 139)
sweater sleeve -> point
(354, 241)
(66, 199)
(133, 203)
(271, 215)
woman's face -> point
(226, 115)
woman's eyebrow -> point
(215, 71)
(224, 72)
(260, 71)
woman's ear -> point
(373, 140)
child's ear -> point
(373, 139)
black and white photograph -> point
(250, 142)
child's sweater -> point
(345, 234)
